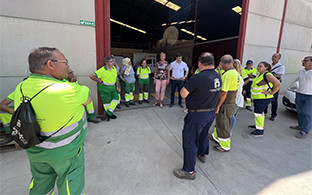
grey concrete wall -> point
(262, 33)
(26, 25)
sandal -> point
(161, 105)
(219, 149)
(155, 104)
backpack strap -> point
(39, 91)
(266, 80)
(276, 67)
(45, 138)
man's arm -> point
(184, 92)
(4, 106)
(222, 97)
(89, 101)
(94, 78)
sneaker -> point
(94, 120)
(180, 173)
(127, 105)
(295, 127)
(181, 105)
(219, 149)
(113, 117)
(252, 126)
(301, 135)
(132, 103)
(201, 158)
(146, 101)
(272, 118)
(257, 133)
(249, 108)
(170, 105)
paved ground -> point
(136, 154)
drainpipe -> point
(282, 27)
(242, 30)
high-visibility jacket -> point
(108, 77)
(257, 91)
(143, 74)
(246, 72)
(58, 105)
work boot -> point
(249, 108)
(180, 173)
(132, 103)
(113, 117)
(118, 106)
(104, 118)
(146, 101)
(201, 158)
(140, 102)
(127, 105)
(257, 133)
(252, 126)
(94, 120)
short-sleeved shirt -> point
(230, 80)
(204, 90)
(246, 72)
(106, 75)
(178, 69)
(278, 68)
(11, 96)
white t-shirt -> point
(305, 82)
(239, 96)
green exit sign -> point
(87, 23)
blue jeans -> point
(304, 111)
(233, 119)
(195, 137)
(174, 85)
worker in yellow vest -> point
(5, 118)
(143, 74)
(249, 73)
(60, 158)
(262, 90)
(106, 78)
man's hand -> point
(183, 78)
(217, 110)
(117, 89)
(167, 82)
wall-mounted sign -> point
(87, 23)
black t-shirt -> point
(204, 90)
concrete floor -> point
(137, 152)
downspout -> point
(242, 30)
(102, 36)
(282, 27)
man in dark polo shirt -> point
(201, 94)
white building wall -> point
(27, 25)
(262, 34)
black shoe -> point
(118, 106)
(140, 102)
(132, 103)
(249, 108)
(94, 120)
(252, 126)
(257, 133)
(272, 118)
(127, 104)
(170, 106)
(113, 117)
(104, 118)
(146, 101)
(181, 105)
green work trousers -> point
(109, 98)
(68, 175)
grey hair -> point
(39, 58)
(226, 59)
(107, 58)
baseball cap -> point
(249, 62)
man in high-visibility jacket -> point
(248, 74)
(226, 104)
(106, 77)
(60, 158)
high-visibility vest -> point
(143, 73)
(108, 77)
(257, 91)
(246, 72)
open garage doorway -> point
(152, 26)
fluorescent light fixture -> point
(169, 4)
(181, 22)
(164, 24)
(128, 26)
(237, 9)
(190, 33)
(162, 1)
(173, 6)
(173, 23)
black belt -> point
(200, 110)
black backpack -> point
(25, 130)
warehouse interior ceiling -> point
(216, 20)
